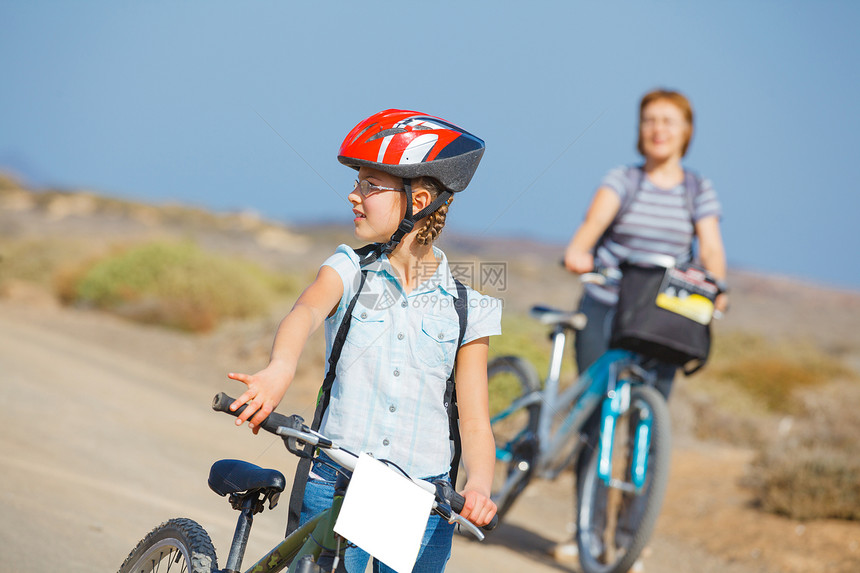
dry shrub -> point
(37, 260)
(771, 372)
(807, 483)
(771, 380)
(810, 469)
(8, 181)
(718, 424)
(796, 404)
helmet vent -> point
(387, 132)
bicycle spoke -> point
(514, 427)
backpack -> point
(369, 254)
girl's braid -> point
(436, 220)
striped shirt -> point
(655, 220)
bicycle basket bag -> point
(665, 313)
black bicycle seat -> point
(553, 316)
(234, 476)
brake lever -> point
(297, 423)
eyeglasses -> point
(365, 188)
(652, 122)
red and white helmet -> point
(410, 144)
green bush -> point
(525, 337)
(178, 285)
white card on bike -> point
(385, 514)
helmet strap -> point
(407, 188)
(409, 219)
(434, 206)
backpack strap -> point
(367, 255)
(303, 469)
(461, 305)
(638, 174)
(692, 189)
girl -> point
(389, 376)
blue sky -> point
(243, 105)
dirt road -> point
(108, 432)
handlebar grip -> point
(457, 502)
(221, 403)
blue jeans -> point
(435, 547)
(591, 342)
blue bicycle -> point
(621, 469)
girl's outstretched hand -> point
(479, 509)
(264, 393)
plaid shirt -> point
(387, 397)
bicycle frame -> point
(318, 533)
(598, 384)
(309, 539)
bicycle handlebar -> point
(221, 403)
(603, 275)
(294, 427)
(597, 276)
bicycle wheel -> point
(180, 545)
(614, 523)
(515, 430)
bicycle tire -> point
(516, 434)
(178, 544)
(604, 545)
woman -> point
(646, 209)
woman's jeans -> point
(591, 342)
(435, 547)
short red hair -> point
(680, 101)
